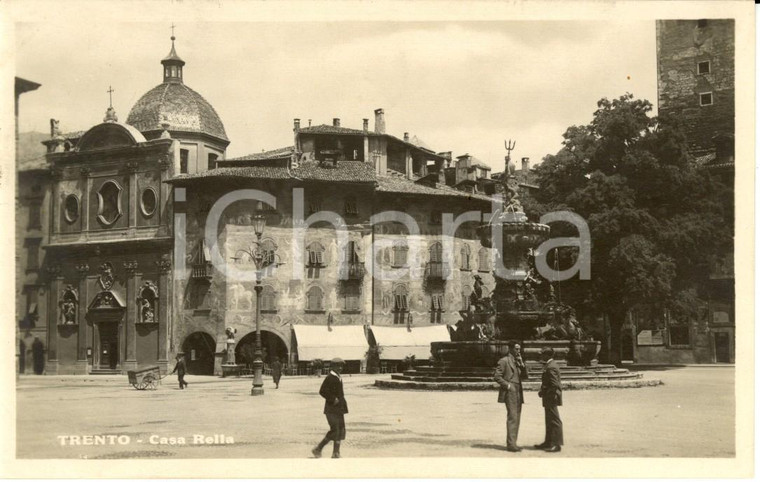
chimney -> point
(296, 124)
(309, 122)
(406, 137)
(336, 122)
(379, 121)
(525, 165)
(366, 125)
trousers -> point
(554, 434)
(337, 424)
(514, 410)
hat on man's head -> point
(337, 361)
(547, 351)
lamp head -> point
(259, 221)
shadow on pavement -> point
(502, 448)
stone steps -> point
(527, 386)
(481, 378)
(450, 377)
(105, 371)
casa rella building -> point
(126, 278)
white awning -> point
(346, 342)
(398, 343)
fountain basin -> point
(486, 353)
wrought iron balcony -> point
(437, 270)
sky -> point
(458, 86)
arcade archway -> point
(199, 348)
(271, 346)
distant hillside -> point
(31, 152)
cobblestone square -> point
(691, 415)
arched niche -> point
(147, 300)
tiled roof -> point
(184, 109)
(402, 185)
(280, 153)
(328, 129)
(420, 143)
(345, 171)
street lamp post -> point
(261, 260)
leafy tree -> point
(656, 220)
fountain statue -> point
(522, 306)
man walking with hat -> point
(551, 394)
(335, 409)
(181, 368)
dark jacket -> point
(276, 367)
(508, 372)
(331, 390)
(551, 385)
(180, 367)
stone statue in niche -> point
(146, 312)
(69, 312)
(147, 301)
(69, 304)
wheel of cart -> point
(144, 379)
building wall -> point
(31, 233)
(681, 45)
(136, 247)
(210, 306)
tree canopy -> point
(656, 220)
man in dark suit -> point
(335, 409)
(181, 368)
(551, 394)
(510, 372)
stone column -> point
(164, 314)
(85, 203)
(82, 270)
(133, 195)
(130, 335)
(56, 282)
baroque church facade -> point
(128, 275)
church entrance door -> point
(109, 345)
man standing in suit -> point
(510, 371)
(335, 409)
(181, 368)
(551, 394)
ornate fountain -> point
(522, 306)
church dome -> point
(181, 107)
(175, 104)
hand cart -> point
(145, 378)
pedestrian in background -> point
(510, 372)
(551, 395)
(181, 368)
(335, 409)
(276, 371)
